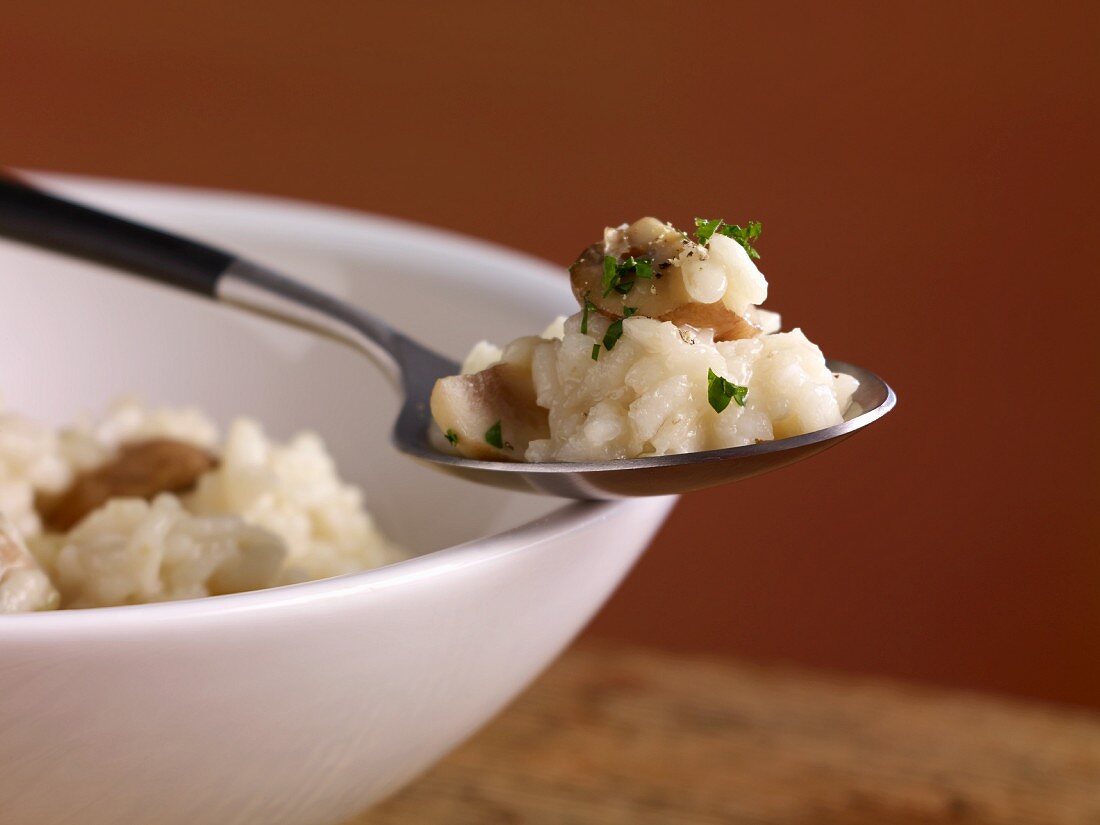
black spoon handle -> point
(30, 215)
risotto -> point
(146, 505)
(669, 353)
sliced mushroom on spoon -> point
(471, 408)
(661, 273)
(33, 216)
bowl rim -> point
(571, 517)
(564, 521)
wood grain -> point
(622, 736)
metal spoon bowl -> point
(36, 217)
(655, 475)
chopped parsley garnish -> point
(451, 436)
(744, 235)
(494, 438)
(613, 334)
(705, 227)
(610, 274)
(619, 276)
(720, 392)
(615, 329)
(588, 307)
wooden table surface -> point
(624, 736)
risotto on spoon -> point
(670, 352)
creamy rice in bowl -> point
(146, 505)
(302, 703)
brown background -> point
(927, 180)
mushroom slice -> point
(23, 585)
(680, 280)
(142, 469)
(727, 325)
(493, 414)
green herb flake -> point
(589, 307)
(615, 329)
(619, 276)
(451, 436)
(624, 279)
(613, 334)
(595, 352)
(720, 392)
(493, 437)
(705, 227)
(610, 274)
(744, 235)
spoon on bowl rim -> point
(32, 216)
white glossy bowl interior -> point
(301, 704)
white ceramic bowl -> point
(300, 704)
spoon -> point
(32, 216)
